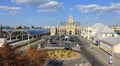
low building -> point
(98, 30)
(108, 43)
(101, 35)
(115, 27)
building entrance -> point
(70, 32)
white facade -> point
(2, 42)
(98, 30)
(53, 30)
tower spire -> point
(70, 19)
(70, 11)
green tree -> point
(19, 27)
(32, 26)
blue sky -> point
(52, 12)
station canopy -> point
(31, 32)
(37, 31)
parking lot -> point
(60, 41)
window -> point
(105, 34)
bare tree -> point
(32, 57)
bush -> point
(69, 55)
(62, 55)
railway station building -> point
(69, 27)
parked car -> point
(67, 46)
(57, 37)
(71, 39)
(62, 37)
(54, 44)
(49, 39)
(110, 60)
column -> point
(10, 36)
(22, 35)
(28, 39)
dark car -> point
(67, 46)
(57, 37)
(54, 44)
(71, 39)
(97, 43)
(62, 37)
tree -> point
(19, 27)
(36, 57)
(32, 57)
(32, 26)
(7, 55)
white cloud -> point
(9, 13)
(30, 2)
(50, 7)
(8, 10)
(42, 5)
(93, 8)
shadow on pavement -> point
(55, 63)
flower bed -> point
(63, 54)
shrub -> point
(62, 55)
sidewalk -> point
(100, 54)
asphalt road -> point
(89, 56)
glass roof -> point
(37, 31)
(30, 31)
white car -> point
(110, 60)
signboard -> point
(2, 41)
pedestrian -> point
(77, 46)
(91, 45)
